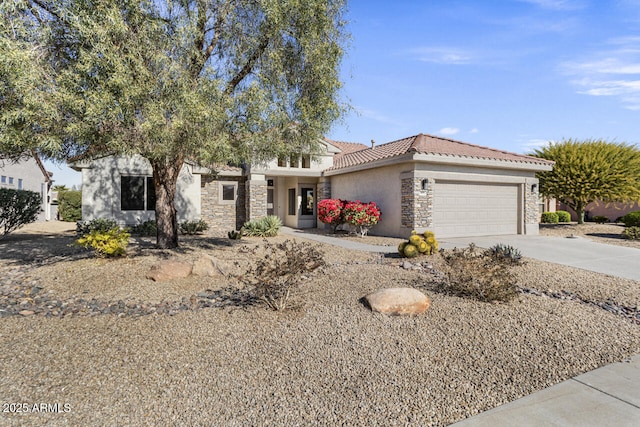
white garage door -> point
(474, 209)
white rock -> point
(398, 301)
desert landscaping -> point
(112, 347)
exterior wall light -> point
(534, 188)
(425, 184)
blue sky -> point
(509, 74)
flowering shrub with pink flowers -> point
(330, 212)
(361, 216)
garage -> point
(475, 209)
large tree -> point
(590, 171)
(212, 81)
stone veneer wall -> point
(256, 199)
(221, 217)
(417, 204)
(531, 202)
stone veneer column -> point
(256, 197)
(324, 188)
(531, 206)
(416, 202)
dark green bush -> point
(70, 205)
(549, 218)
(632, 219)
(18, 208)
(147, 228)
(100, 224)
(479, 274)
(193, 227)
(599, 219)
(631, 233)
(563, 216)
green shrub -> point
(70, 205)
(563, 216)
(18, 208)
(267, 226)
(599, 219)
(235, 235)
(549, 218)
(631, 233)
(632, 219)
(479, 274)
(99, 224)
(276, 278)
(147, 228)
(505, 253)
(193, 227)
(110, 243)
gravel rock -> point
(119, 349)
(169, 270)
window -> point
(282, 162)
(137, 193)
(294, 160)
(306, 162)
(227, 192)
(307, 201)
(292, 201)
(3, 180)
(19, 184)
(10, 180)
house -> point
(29, 174)
(421, 182)
(613, 211)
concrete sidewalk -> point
(609, 396)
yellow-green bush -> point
(110, 243)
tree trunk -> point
(580, 212)
(165, 179)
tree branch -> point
(248, 66)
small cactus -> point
(401, 247)
(410, 250)
(235, 235)
(424, 243)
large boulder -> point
(208, 266)
(398, 301)
(169, 270)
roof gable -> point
(433, 145)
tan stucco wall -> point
(383, 186)
(101, 190)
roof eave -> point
(482, 162)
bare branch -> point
(248, 66)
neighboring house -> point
(613, 211)
(422, 182)
(28, 174)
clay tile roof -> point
(347, 147)
(428, 144)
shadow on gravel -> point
(26, 248)
(606, 235)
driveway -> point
(576, 252)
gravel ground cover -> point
(331, 362)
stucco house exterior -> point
(421, 182)
(29, 174)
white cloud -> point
(614, 72)
(443, 55)
(532, 144)
(448, 131)
(474, 130)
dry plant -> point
(485, 275)
(276, 278)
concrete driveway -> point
(576, 252)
